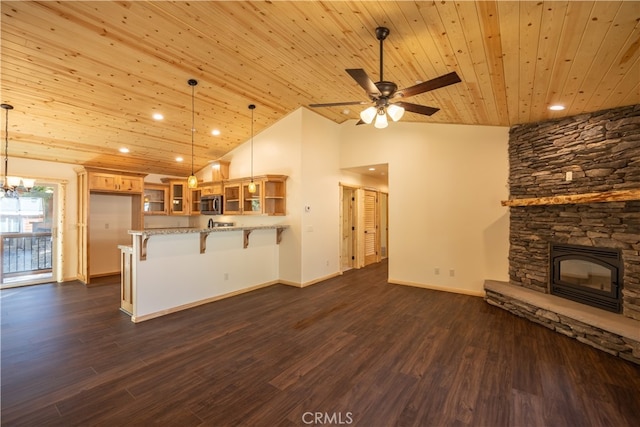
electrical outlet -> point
(226, 276)
(452, 273)
(436, 271)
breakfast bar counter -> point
(172, 269)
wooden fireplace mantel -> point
(605, 196)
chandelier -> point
(12, 186)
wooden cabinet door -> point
(195, 196)
(179, 198)
(130, 184)
(156, 197)
(103, 181)
(232, 199)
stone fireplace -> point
(575, 182)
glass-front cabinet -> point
(195, 196)
(231, 199)
(155, 199)
(178, 196)
(268, 199)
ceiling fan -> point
(385, 95)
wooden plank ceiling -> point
(85, 77)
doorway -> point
(31, 236)
(363, 226)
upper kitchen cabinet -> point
(275, 195)
(108, 181)
(155, 199)
(268, 199)
(182, 199)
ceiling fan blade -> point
(360, 76)
(415, 108)
(437, 83)
(361, 122)
(338, 104)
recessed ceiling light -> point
(157, 116)
(346, 111)
(215, 132)
(179, 159)
(556, 107)
(124, 150)
(372, 169)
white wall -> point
(276, 150)
(320, 197)
(445, 186)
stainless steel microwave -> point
(211, 204)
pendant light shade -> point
(395, 112)
(252, 185)
(192, 181)
(368, 114)
(381, 119)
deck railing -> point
(25, 253)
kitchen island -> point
(171, 269)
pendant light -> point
(252, 185)
(11, 185)
(192, 181)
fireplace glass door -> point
(588, 275)
(585, 273)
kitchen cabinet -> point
(195, 196)
(269, 198)
(178, 197)
(128, 186)
(252, 202)
(209, 188)
(231, 198)
(275, 195)
(114, 181)
(182, 199)
(156, 197)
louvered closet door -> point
(370, 227)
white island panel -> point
(175, 275)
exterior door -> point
(371, 237)
(28, 228)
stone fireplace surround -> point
(599, 207)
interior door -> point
(371, 238)
(348, 243)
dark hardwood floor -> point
(353, 350)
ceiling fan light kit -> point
(383, 94)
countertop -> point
(188, 230)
